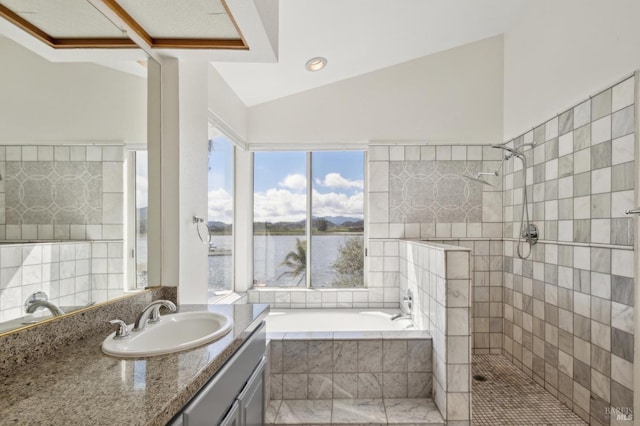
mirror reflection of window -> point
(220, 214)
(142, 203)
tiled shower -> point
(568, 308)
(564, 315)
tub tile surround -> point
(343, 365)
(439, 276)
(568, 308)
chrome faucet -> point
(151, 313)
(400, 316)
(55, 311)
(39, 299)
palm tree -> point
(296, 261)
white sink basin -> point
(174, 333)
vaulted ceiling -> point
(260, 47)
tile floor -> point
(509, 397)
(397, 411)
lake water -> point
(269, 252)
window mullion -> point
(309, 219)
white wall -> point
(560, 52)
(451, 96)
(41, 101)
(225, 106)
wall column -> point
(178, 131)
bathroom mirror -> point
(44, 316)
(63, 188)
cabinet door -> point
(233, 416)
(252, 398)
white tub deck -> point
(330, 320)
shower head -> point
(506, 148)
(477, 179)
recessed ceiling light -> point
(316, 64)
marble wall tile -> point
(275, 386)
(294, 356)
(566, 122)
(320, 356)
(345, 385)
(622, 122)
(394, 355)
(295, 386)
(394, 385)
(622, 94)
(582, 114)
(345, 356)
(370, 356)
(419, 385)
(370, 385)
(320, 386)
(601, 105)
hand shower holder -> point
(530, 234)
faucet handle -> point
(122, 331)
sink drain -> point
(479, 377)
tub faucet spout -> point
(39, 299)
(400, 316)
(55, 311)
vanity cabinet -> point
(235, 395)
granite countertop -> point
(80, 385)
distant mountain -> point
(340, 220)
(216, 224)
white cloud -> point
(296, 181)
(333, 204)
(220, 207)
(142, 191)
(335, 180)
(279, 205)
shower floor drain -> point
(480, 377)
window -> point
(316, 197)
(141, 216)
(220, 214)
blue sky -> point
(280, 184)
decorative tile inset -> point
(430, 191)
(59, 193)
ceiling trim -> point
(127, 42)
(178, 43)
(64, 43)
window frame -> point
(309, 214)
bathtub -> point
(327, 320)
